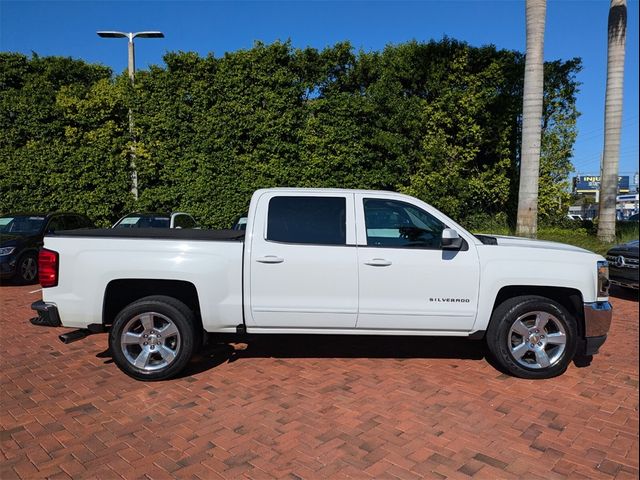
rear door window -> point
(307, 220)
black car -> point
(623, 265)
(21, 236)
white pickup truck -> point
(325, 261)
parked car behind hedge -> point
(156, 220)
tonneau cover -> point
(157, 233)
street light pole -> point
(132, 71)
(132, 59)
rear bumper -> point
(597, 321)
(47, 314)
(48, 317)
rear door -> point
(303, 261)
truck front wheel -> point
(153, 338)
(532, 337)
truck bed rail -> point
(155, 233)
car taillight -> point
(48, 268)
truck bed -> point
(91, 261)
(158, 233)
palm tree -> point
(617, 34)
(527, 224)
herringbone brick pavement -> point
(312, 407)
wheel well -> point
(120, 293)
(29, 251)
(569, 298)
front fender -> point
(567, 271)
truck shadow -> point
(347, 346)
(216, 353)
(335, 346)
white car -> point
(323, 261)
(156, 220)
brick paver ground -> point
(312, 407)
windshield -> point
(144, 221)
(21, 224)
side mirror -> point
(451, 240)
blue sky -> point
(574, 28)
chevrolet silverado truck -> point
(325, 261)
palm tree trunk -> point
(617, 33)
(527, 223)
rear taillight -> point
(48, 268)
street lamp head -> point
(110, 34)
(149, 34)
(130, 36)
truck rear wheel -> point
(532, 337)
(153, 338)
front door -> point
(407, 282)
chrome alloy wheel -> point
(28, 269)
(537, 340)
(150, 341)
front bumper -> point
(47, 314)
(597, 321)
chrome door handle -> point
(378, 262)
(270, 259)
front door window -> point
(395, 224)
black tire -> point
(516, 353)
(158, 358)
(27, 268)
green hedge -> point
(439, 120)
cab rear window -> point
(307, 220)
